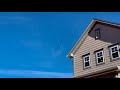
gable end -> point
(88, 30)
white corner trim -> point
(118, 67)
(72, 54)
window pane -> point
(86, 58)
(100, 53)
(100, 59)
(115, 55)
(97, 33)
(116, 49)
(86, 64)
(113, 50)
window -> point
(97, 33)
(86, 60)
(99, 57)
(114, 50)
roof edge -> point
(69, 54)
(94, 20)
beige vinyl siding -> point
(109, 36)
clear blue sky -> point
(35, 44)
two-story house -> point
(97, 52)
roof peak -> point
(108, 21)
(83, 36)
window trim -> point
(99, 34)
(86, 55)
(110, 50)
(98, 51)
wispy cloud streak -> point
(32, 44)
(56, 52)
(40, 74)
(14, 19)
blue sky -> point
(35, 44)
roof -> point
(84, 35)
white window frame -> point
(99, 57)
(112, 52)
(85, 61)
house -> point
(97, 53)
